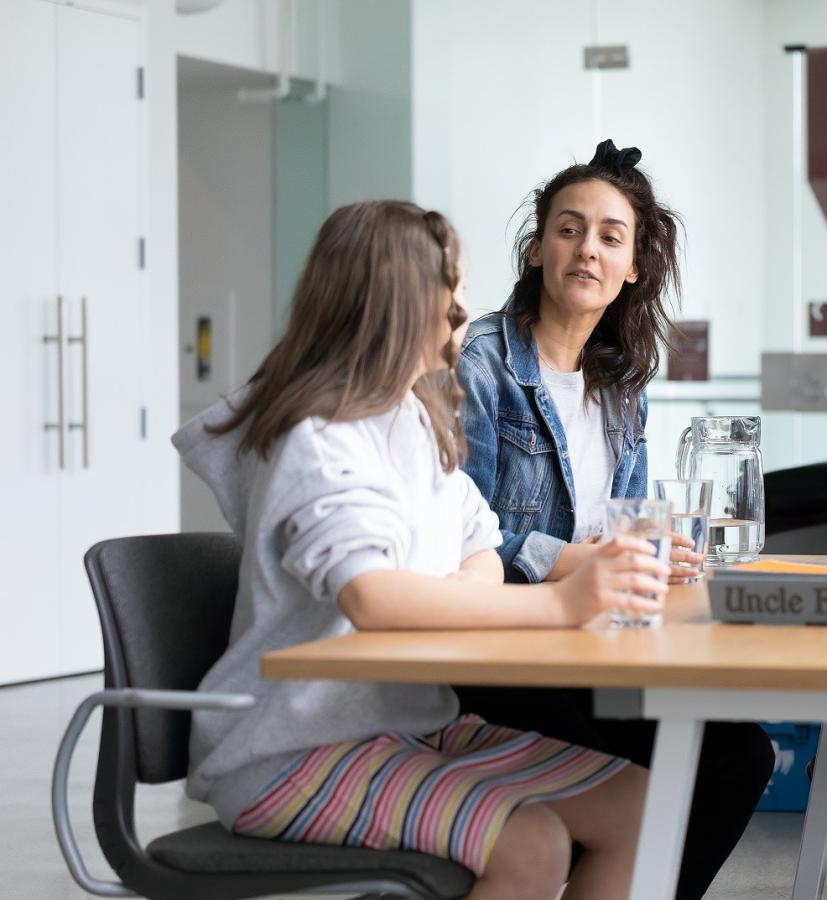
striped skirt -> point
(448, 794)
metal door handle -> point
(59, 425)
(81, 339)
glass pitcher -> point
(726, 449)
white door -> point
(99, 226)
(29, 458)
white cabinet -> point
(260, 35)
(28, 279)
(72, 455)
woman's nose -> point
(588, 246)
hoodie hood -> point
(217, 458)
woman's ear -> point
(535, 257)
(633, 273)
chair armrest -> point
(126, 697)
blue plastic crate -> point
(795, 745)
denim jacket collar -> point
(524, 364)
(521, 360)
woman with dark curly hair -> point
(555, 418)
(556, 379)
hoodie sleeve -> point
(349, 521)
(480, 526)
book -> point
(770, 592)
(779, 566)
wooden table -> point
(689, 671)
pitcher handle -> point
(683, 451)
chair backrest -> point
(165, 604)
(796, 498)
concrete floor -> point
(33, 718)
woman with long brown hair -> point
(555, 419)
(337, 468)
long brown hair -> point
(623, 349)
(368, 304)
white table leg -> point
(809, 876)
(671, 783)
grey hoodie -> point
(331, 501)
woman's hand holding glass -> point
(622, 574)
(684, 563)
(690, 499)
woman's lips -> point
(582, 275)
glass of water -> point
(690, 501)
(650, 520)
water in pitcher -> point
(726, 450)
(734, 540)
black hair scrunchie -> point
(607, 156)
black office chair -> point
(796, 510)
(796, 516)
(165, 603)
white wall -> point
(495, 112)
(501, 101)
(509, 103)
(801, 22)
(799, 438)
(693, 101)
(369, 104)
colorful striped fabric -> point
(448, 794)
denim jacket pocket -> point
(524, 468)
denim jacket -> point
(517, 450)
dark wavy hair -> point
(370, 301)
(623, 349)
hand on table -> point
(618, 575)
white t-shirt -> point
(590, 453)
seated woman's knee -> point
(537, 853)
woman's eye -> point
(611, 239)
(568, 230)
